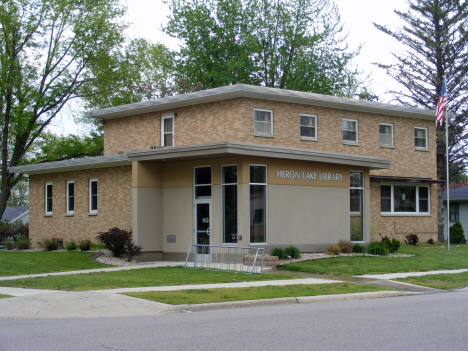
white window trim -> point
(352, 142)
(266, 202)
(90, 195)
(163, 118)
(222, 204)
(391, 126)
(392, 198)
(68, 196)
(420, 147)
(316, 127)
(45, 198)
(271, 126)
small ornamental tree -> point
(457, 234)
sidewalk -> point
(34, 303)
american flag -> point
(439, 116)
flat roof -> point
(258, 92)
(231, 148)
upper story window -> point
(70, 196)
(404, 198)
(167, 130)
(93, 196)
(386, 134)
(48, 198)
(308, 127)
(350, 130)
(420, 138)
(263, 122)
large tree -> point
(293, 44)
(46, 50)
(435, 36)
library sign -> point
(309, 175)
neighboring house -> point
(458, 208)
(16, 213)
(245, 166)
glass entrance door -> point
(203, 226)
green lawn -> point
(4, 296)
(427, 258)
(21, 263)
(160, 276)
(439, 281)
(195, 296)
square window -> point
(350, 130)
(308, 127)
(263, 122)
(386, 134)
(420, 138)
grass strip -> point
(24, 263)
(2, 296)
(439, 281)
(427, 258)
(196, 296)
(143, 277)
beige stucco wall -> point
(114, 204)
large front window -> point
(258, 204)
(229, 193)
(404, 198)
(356, 193)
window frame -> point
(68, 197)
(361, 189)
(453, 206)
(266, 205)
(353, 142)
(271, 123)
(91, 210)
(315, 127)
(392, 142)
(425, 139)
(46, 197)
(223, 205)
(195, 185)
(392, 211)
(163, 132)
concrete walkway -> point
(36, 303)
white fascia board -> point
(257, 92)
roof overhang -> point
(383, 179)
(74, 165)
(258, 92)
(230, 149)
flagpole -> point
(447, 167)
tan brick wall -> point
(114, 204)
(233, 120)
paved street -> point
(418, 322)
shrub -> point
(430, 241)
(345, 246)
(277, 251)
(48, 244)
(376, 248)
(85, 244)
(9, 244)
(412, 239)
(457, 234)
(22, 242)
(393, 245)
(13, 230)
(333, 250)
(292, 251)
(71, 245)
(119, 242)
(358, 248)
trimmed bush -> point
(48, 244)
(457, 234)
(345, 246)
(71, 245)
(376, 248)
(393, 245)
(22, 242)
(333, 250)
(292, 251)
(430, 241)
(85, 245)
(412, 239)
(277, 251)
(119, 242)
(358, 248)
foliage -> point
(457, 234)
(12, 230)
(292, 252)
(358, 248)
(435, 36)
(412, 239)
(85, 244)
(277, 251)
(9, 244)
(48, 244)
(290, 44)
(71, 245)
(439, 281)
(393, 245)
(376, 248)
(46, 51)
(19, 194)
(333, 250)
(345, 246)
(430, 241)
(119, 242)
(22, 242)
(356, 228)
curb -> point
(288, 301)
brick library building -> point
(245, 166)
